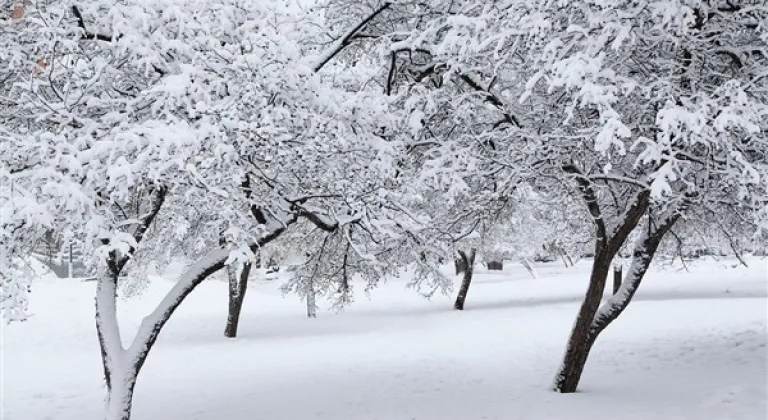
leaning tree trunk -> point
(607, 245)
(593, 319)
(468, 263)
(580, 342)
(238, 284)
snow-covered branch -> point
(347, 39)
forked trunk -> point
(593, 319)
(238, 285)
(468, 262)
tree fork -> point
(606, 247)
(583, 338)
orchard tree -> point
(130, 114)
(665, 126)
(647, 111)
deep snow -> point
(691, 346)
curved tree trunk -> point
(238, 285)
(524, 261)
(591, 323)
(468, 263)
(580, 342)
(607, 245)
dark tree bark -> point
(71, 272)
(592, 318)
(468, 263)
(238, 285)
(460, 265)
(350, 36)
(581, 341)
(617, 274)
(645, 250)
(528, 266)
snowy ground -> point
(691, 346)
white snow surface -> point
(692, 345)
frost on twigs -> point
(15, 286)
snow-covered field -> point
(691, 346)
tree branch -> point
(86, 33)
(349, 37)
(115, 265)
(391, 73)
(101, 37)
(590, 197)
(256, 211)
(491, 98)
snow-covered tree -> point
(645, 110)
(670, 117)
(126, 115)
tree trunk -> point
(528, 266)
(71, 262)
(567, 260)
(645, 250)
(120, 396)
(460, 265)
(617, 274)
(311, 300)
(122, 366)
(119, 383)
(238, 285)
(581, 341)
(593, 319)
(468, 262)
